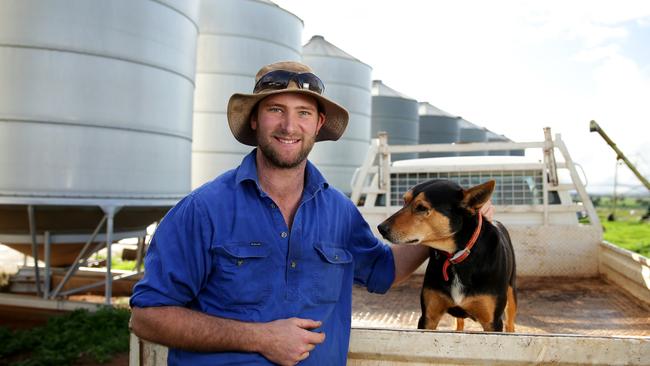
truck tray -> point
(561, 321)
(546, 305)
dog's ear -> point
(474, 198)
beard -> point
(274, 156)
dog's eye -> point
(420, 208)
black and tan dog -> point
(471, 270)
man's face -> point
(286, 126)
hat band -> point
(280, 79)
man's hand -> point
(289, 341)
(488, 210)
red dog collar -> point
(461, 255)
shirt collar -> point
(248, 172)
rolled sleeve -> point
(383, 274)
(374, 264)
(178, 260)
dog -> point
(471, 270)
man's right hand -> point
(289, 341)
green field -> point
(631, 235)
(627, 230)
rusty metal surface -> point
(546, 305)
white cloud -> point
(597, 54)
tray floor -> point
(546, 305)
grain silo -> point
(437, 127)
(236, 38)
(347, 81)
(494, 137)
(470, 132)
(397, 114)
(95, 117)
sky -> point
(513, 67)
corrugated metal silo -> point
(96, 97)
(347, 81)
(396, 114)
(96, 104)
(470, 132)
(437, 127)
(236, 38)
(493, 137)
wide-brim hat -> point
(240, 106)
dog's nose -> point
(384, 229)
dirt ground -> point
(558, 305)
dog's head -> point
(433, 212)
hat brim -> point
(241, 105)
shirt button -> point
(284, 234)
(293, 264)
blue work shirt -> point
(226, 251)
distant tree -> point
(595, 200)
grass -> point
(627, 231)
(634, 236)
(67, 338)
(119, 263)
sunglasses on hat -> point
(280, 79)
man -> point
(257, 266)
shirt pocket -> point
(243, 273)
(329, 269)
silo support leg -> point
(32, 232)
(48, 269)
(140, 254)
(110, 211)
